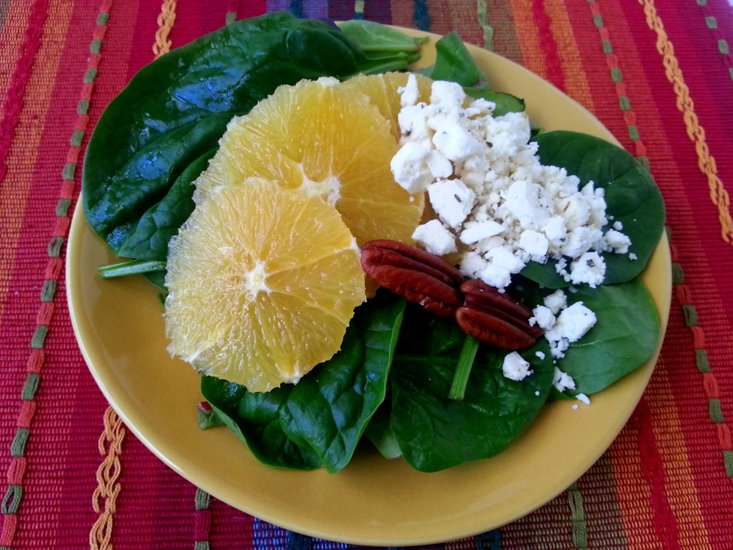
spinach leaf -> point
(625, 335)
(632, 198)
(175, 109)
(435, 432)
(148, 237)
(453, 62)
(385, 48)
(319, 421)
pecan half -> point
(493, 317)
(414, 274)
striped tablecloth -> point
(658, 74)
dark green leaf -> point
(454, 63)
(320, 420)
(175, 109)
(625, 336)
(435, 432)
(505, 103)
(148, 238)
(632, 198)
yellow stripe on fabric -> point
(104, 499)
(696, 133)
(166, 20)
(23, 154)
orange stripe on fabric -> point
(459, 16)
(696, 133)
(576, 80)
(23, 154)
(533, 58)
(11, 37)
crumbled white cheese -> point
(452, 201)
(515, 367)
(583, 398)
(435, 238)
(589, 268)
(543, 317)
(562, 381)
(540, 355)
(488, 188)
(556, 301)
(571, 325)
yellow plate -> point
(373, 501)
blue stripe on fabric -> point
(316, 9)
(296, 8)
(421, 15)
(278, 5)
(490, 540)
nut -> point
(414, 274)
(493, 317)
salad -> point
(391, 380)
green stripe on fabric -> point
(690, 313)
(17, 447)
(678, 276)
(231, 17)
(723, 47)
(62, 207)
(711, 22)
(54, 247)
(644, 161)
(77, 138)
(95, 47)
(102, 19)
(701, 360)
(716, 411)
(634, 132)
(728, 460)
(580, 529)
(482, 12)
(201, 545)
(69, 171)
(39, 337)
(359, 9)
(82, 107)
(202, 499)
(48, 291)
(30, 386)
(606, 46)
(598, 21)
(90, 75)
(12, 499)
(702, 2)
(624, 103)
(616, 75)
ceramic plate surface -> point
(373, 501)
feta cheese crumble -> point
(515, 367)
(562, 324)
(492, 195)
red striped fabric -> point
(658, 74)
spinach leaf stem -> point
(463, 368)
(132, 267)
